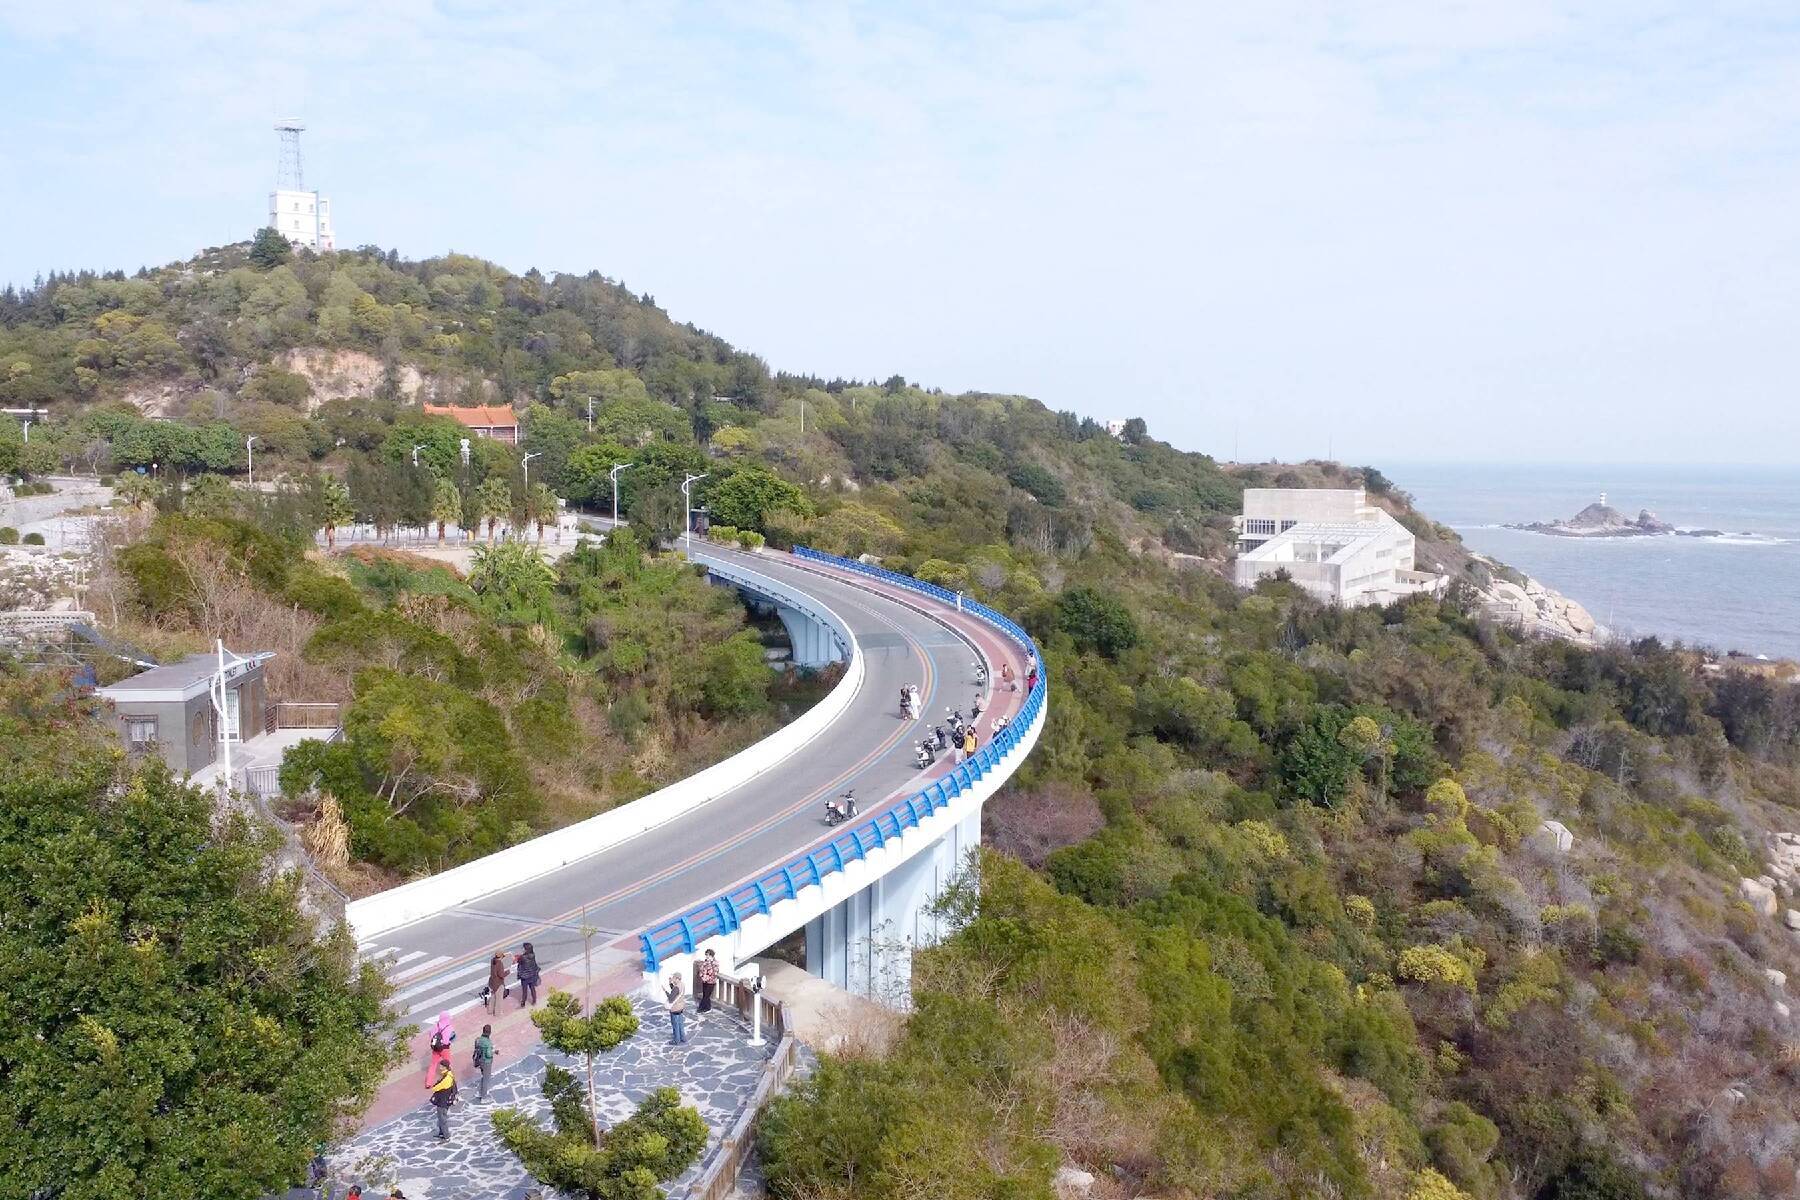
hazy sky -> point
(1400, 230)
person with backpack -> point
(443, 1095)
(442, 1034)
(528, 976)
(484, 1058)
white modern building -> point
(1330, 541)
(305, 217)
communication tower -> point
(305, 217)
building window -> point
(1259, 525)
(1287, 525)
(140, 731)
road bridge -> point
(738, 856)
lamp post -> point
(614, 473)
(417, 446)
(525, 464)
(250, 458)
(687, 524)
(27, 424)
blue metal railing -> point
(725, 912)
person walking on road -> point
(484, 1058)
(443, 1095)
(969, 742)
(496, 984)
(528, 976)
(677, 1007)
(708, 974)
(1006, 677)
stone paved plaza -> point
(716, 1071)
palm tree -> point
(446, 506)
(540, 507)
(493, 500)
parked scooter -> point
(922, 756)
(842, 809)
(980, 674)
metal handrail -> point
(727, 911)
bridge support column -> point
(812, 641)
(864, 944)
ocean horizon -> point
(1738, 590)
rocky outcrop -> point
(340, 374)
(1602, 520)
(1520, 601)
(1759, 896)
(1555, 837)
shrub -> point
(749, 539)
(1436, 966)
(8, 536)
(722, 533)
(34, 539)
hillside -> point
(1272, 910)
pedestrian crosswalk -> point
(426, 985)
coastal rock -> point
(1601, 520)
(1792, 918)
(1555, 836)
(1778, 978)
(1782, 1010)
(1759, 896)
(1527, 605)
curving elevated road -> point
(440, 962)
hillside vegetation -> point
(1270, 911)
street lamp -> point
(526, 464)
(27, 429)
(250, 458)
(614, 475)
(687, 524)
(417, 446)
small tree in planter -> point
(626, 1162)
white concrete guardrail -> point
(377, 914)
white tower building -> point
(305, 217)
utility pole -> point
(614, 473)
(417, 446)
(687, 525)
(590, 414)
(250, 458)
(27, 429)
(803, 416)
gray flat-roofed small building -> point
(168, 710)
(1331, 542)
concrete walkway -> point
(716, 1071)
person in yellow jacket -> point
(443, 1095)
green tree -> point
(514, 582)
(446, 505)
(626, 1162)
(1097, 621)
(493, 501)
(745, 497)
(270, 248)
(177, 1022)
(272, 385)
(335, 508)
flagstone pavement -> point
(716, 1070)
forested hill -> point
(318, 355)
(1273, 910)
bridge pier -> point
(864, 943)
(813, 644)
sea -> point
(1739, 590)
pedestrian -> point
(918, 705)
(1006, 677)
(905, 701)
(496, 984)
(484, 1058)
(709, 979)
(355, 1192)
(969, 742)
(528, 976)
(442, 1034)
(677, 1011)
(975, 708)
(443, 1095)
(1031, 680)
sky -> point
(1514, 230)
